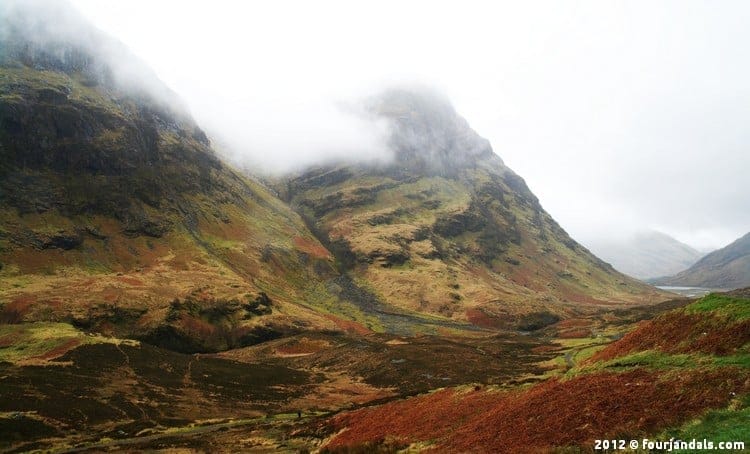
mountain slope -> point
(446, 228)
(115, 213)
(727, 268)
(647, 254)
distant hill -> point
(647, 254)
(727, 268)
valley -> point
(154, 297)
(117, 393)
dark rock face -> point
(63, 241)
(537, 320)
(60, 239)
(200, 326)
(79, 136)
(389, 258)
(61, 151)
(456, 224)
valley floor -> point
(69, 391)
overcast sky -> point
(620, 115)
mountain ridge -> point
(725, 268)
(446, 209)
(647, 254)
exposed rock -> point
(389, 258)
(458, 223)
(63, 240)
(537, 320)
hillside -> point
(726, 268)
(446, 228)
(683, 375)
(117, 216)
(646, 254)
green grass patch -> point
(652, 359)
(716, 426)
(655, 359)
(30, 340)
(587, 352)
(222, 243)
(33, 339)
(731, 307)
(741, 360)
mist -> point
(621, 116)
(52, 35)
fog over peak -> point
(621, 116)
(53, 35)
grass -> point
(734, 308)
(654, 359)
(576, 350)
(19, 343)
(657, 360)
(34, 79)
(34, 339)
(731, 424)
(741, 360)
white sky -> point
(620, 115)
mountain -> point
(153, 297)
(646, 254)
(446, 228)
(115, 213)
(726, 268)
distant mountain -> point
(448, 229)
(646, 254)
(727, 268)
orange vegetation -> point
(59, 350)
(554, 413)
(573, 323)
(302, 347)
(677, 332)
(348, 325)
(311, 247)
(130, 280)
(575, 333)
(14, 311)
(478, 317)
